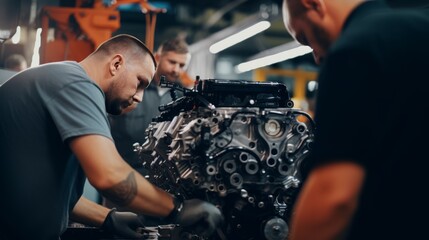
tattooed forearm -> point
(122, 193)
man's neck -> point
(95, 73)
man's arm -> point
(115, 179)
(327, 201)
(89, 213)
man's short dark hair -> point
(125, 43)
(176, 45)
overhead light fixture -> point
(17, 36)
(35, 59)
(294, 50)
(240, 36)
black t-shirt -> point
(40, 109)
(373, 93)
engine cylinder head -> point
(236, 144)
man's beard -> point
(114, 107)
(173, 77)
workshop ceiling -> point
(196, 20)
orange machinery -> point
(78, 30)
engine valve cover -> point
(237, 144)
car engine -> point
(237, 144)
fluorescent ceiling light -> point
(240, 36)
(17, 37)
(35, 59)
(271, 59)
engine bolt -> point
(244, 193)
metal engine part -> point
(236, 144)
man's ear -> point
(315, 5)
(157, 56)
(116, 64)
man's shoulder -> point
(63, 65)
(63, 73)
(372, 32)
(388, 22)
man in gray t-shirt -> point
(54, 131)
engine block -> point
(236, 144)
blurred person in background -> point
(15, 62)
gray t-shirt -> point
(40, 110)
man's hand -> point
(124, 224)
(197, 216)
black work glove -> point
(196, 216)
(123, 224)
